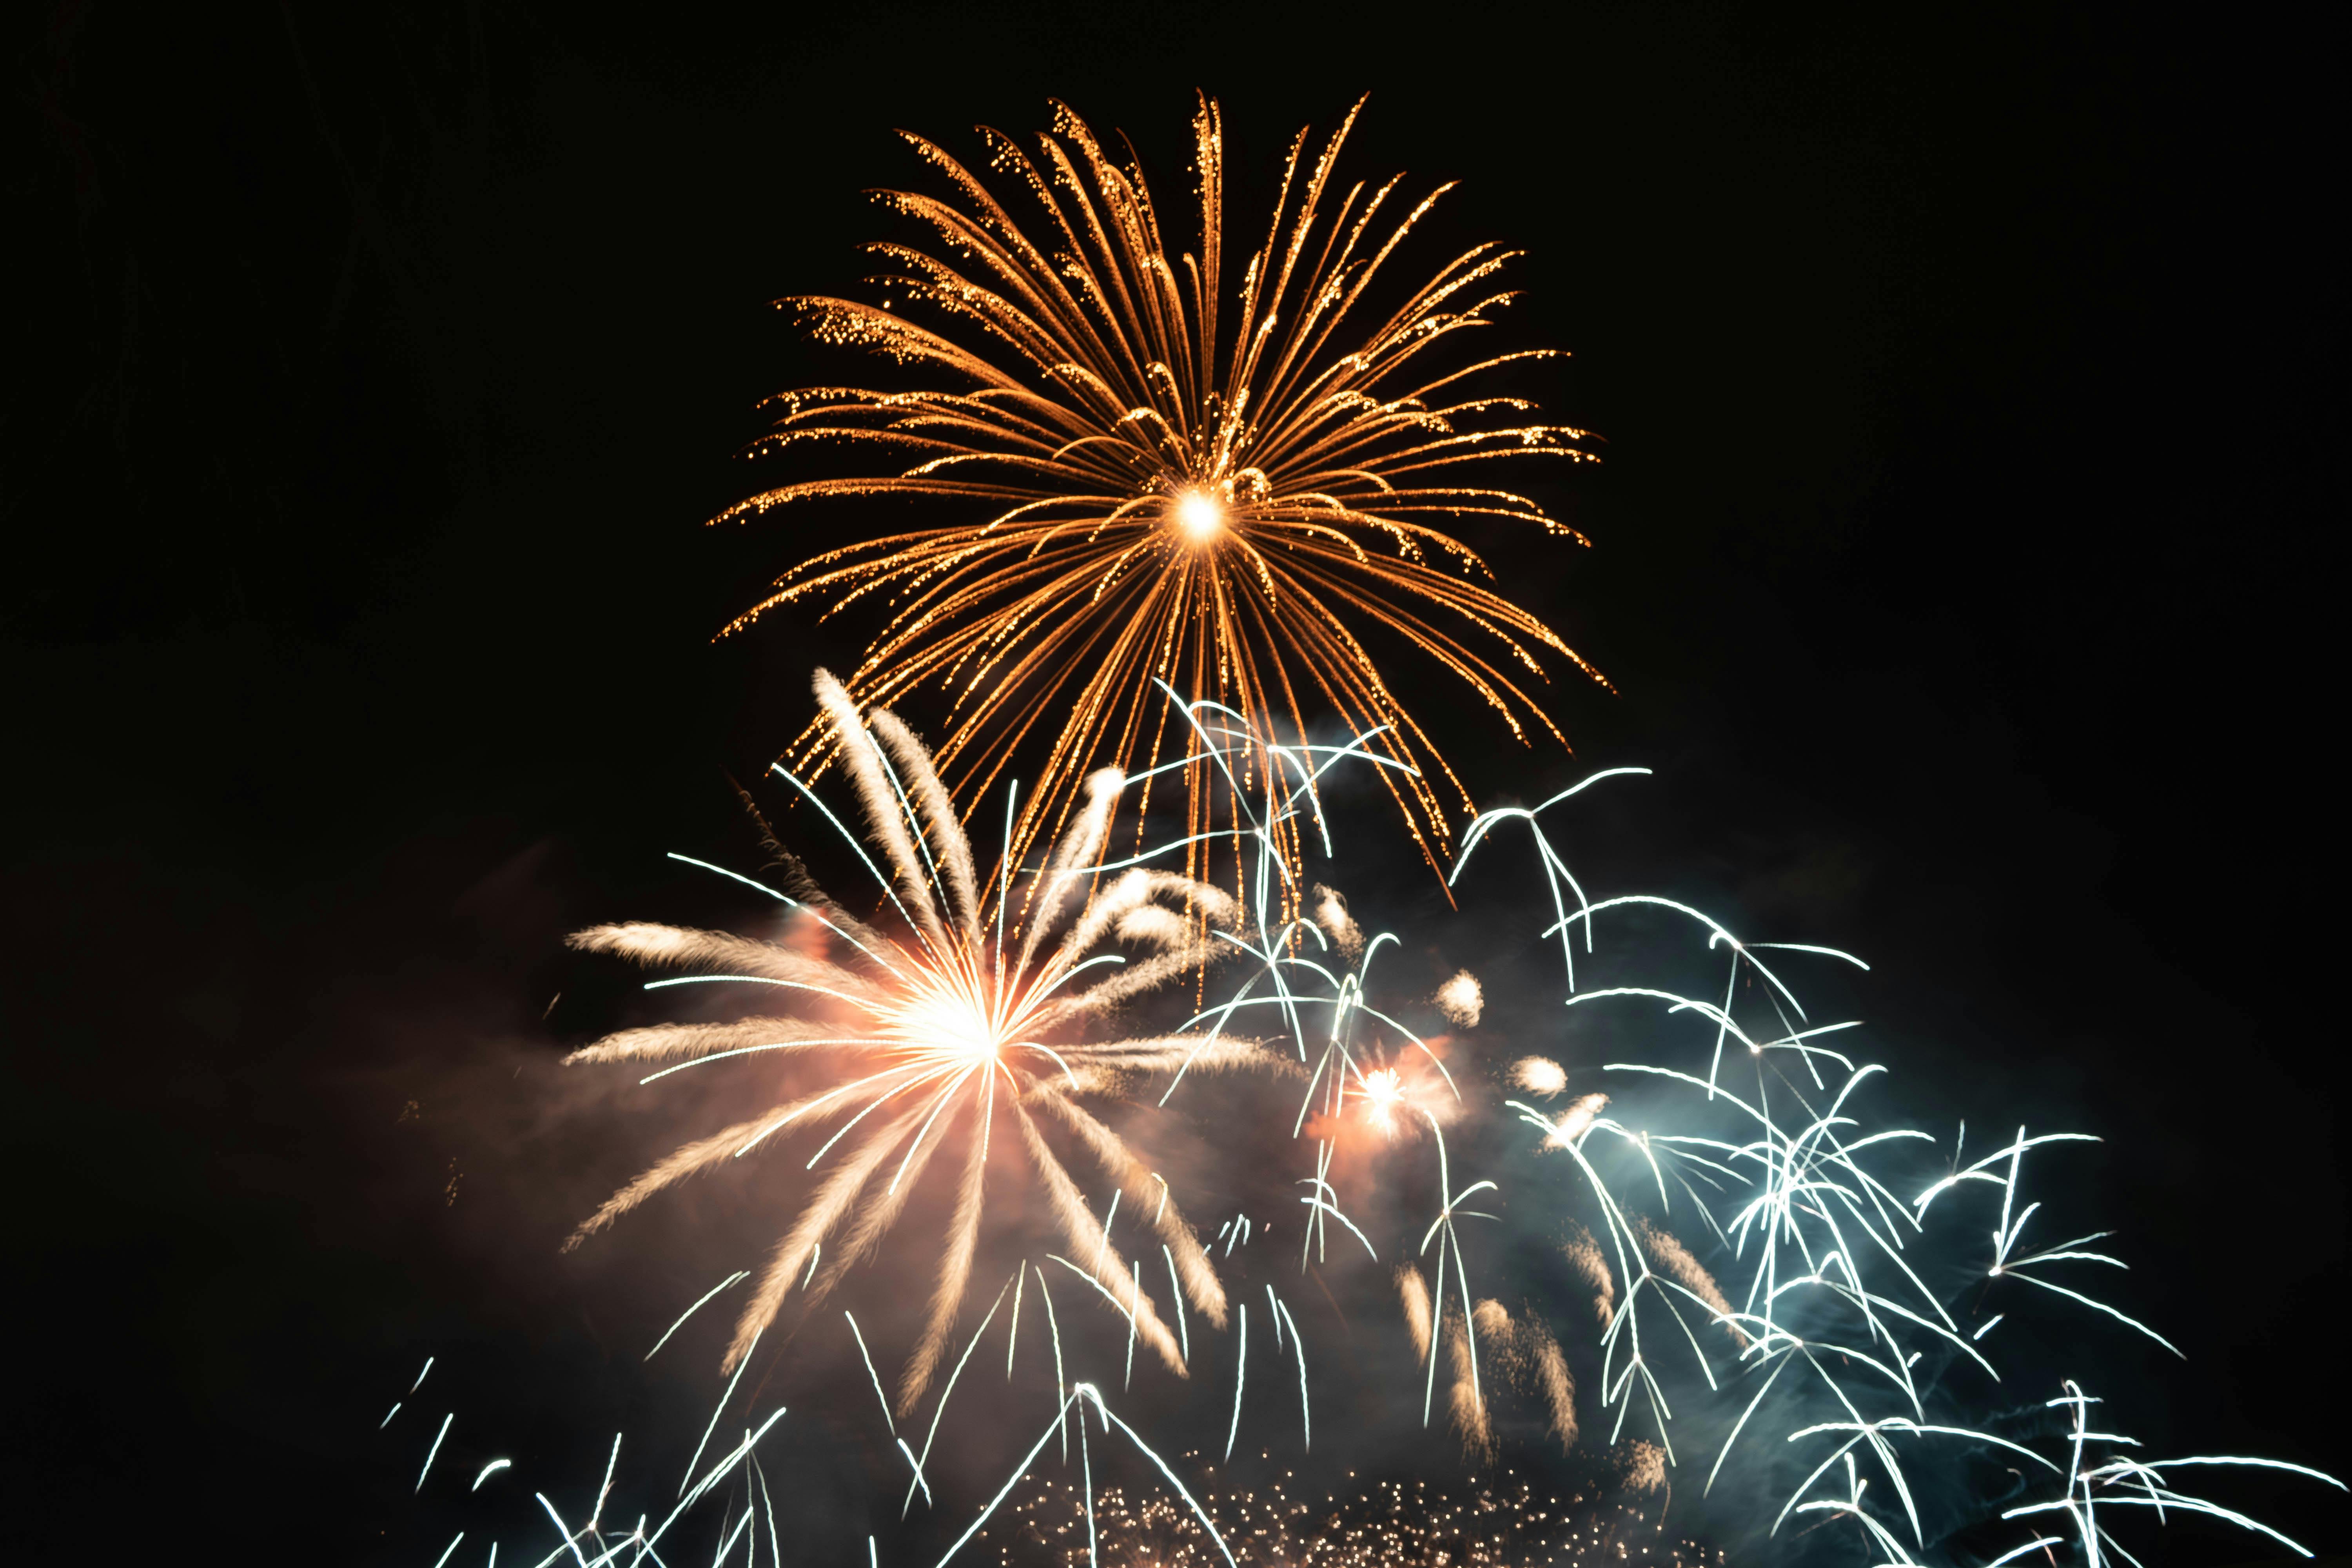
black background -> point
(1963, 557)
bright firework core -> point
(950, 1028)
(1383, 1092)
(1200, 517)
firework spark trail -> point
(940, 1409)
(1584, 1256)
(1467, 1401)
(434, 1452)
(1155, 494)
(945, 1034)
(1241, 1377)
(1548, 1368)
(1298, 1349)
(867, 1356)
(1442, 1231)
(732, 1279)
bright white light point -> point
(950, 1027)
(1199, 517)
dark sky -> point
(1972, 386)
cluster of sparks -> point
(1501, 1523)
(1170, 478)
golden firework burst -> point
(1157, 488)
(940, 1033)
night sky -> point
(1972, 388)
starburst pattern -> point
(1154, 489)
(940, 1033)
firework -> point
(1739, 1260)
(1159, 479)
(1832, 1337)
(934, 1034)
(1504, 1523)
(1462, 1000)
(1825, 1336)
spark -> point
(1241, 1376)
(940, 1409)
(1298, 1349)
(867, 1358)
(1176, 1295)
(434, 1452)
(743, 1361)
(738, 1276)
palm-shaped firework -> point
(1153, 489)
(939, 1032)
